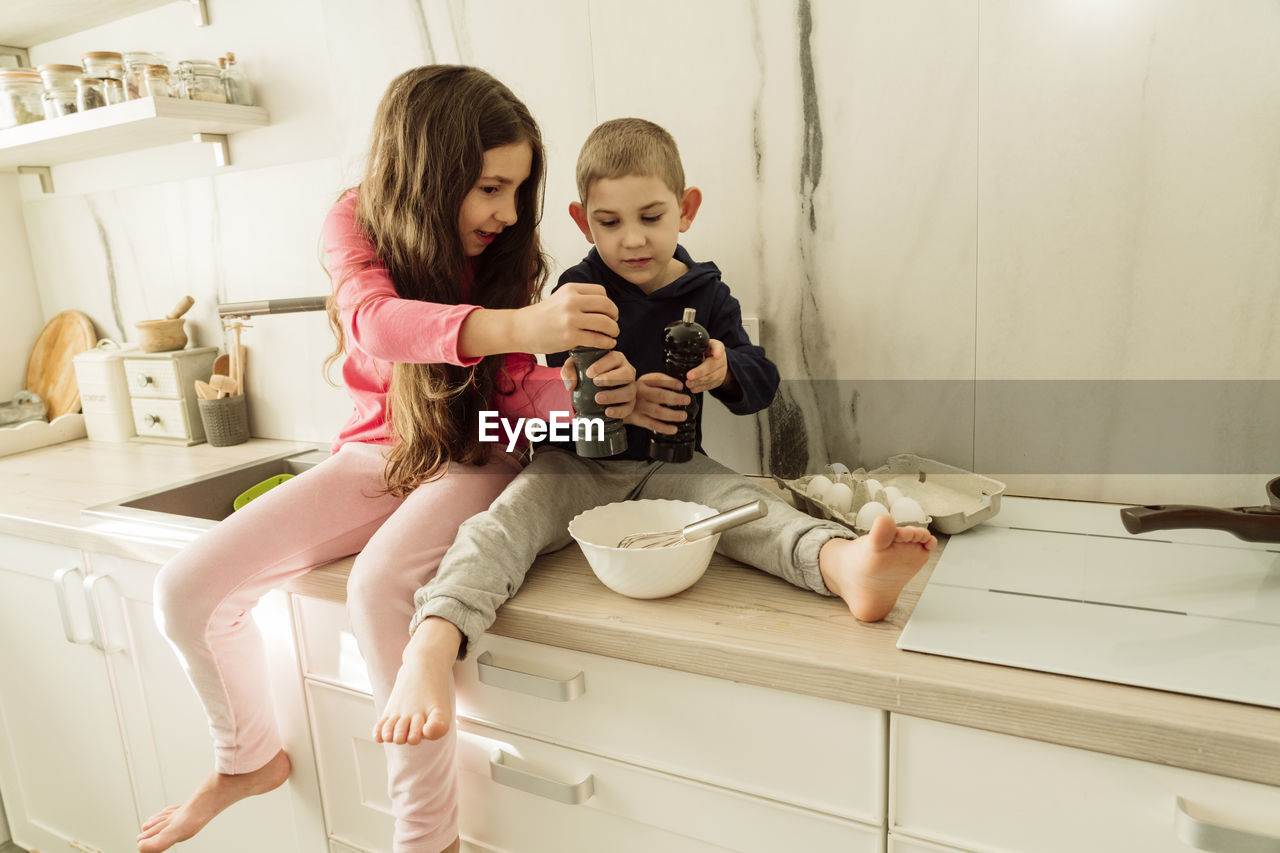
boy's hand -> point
(613, 370)
(712, 373)
(576, 315)
(656, 395)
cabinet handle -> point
(152, 420)
(541, 686)
(95, 622)
(64, 609)
(570, 793)
(143, 380)
(1203, 835)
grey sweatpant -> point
(494, 549)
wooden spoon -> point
(205, 391)
(222, 365)
(225, 385)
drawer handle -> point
(64, 609)
(1203, 835)
(143, 380)
(152, 420)
(541, 686)
(570, 793)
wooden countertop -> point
(735, 623)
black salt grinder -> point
(595, 436)
(684, 345)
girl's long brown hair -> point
(429, 137)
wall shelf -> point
(131, 126)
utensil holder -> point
(226, 420)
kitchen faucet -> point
(272, 306)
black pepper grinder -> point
(589, 439)
(684, 344)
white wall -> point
(1001, 233)
(21, 318)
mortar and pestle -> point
(167, 334)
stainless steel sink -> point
(201, 502)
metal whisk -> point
(699, 529)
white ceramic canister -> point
(104, 392)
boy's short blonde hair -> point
(629, 146)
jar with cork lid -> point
(157, 82)
(135, 64)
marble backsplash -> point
(952, 217)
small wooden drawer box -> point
(162, 393)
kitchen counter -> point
(735, 623)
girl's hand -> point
(713, 371)
(656, 396)
(576, 315)
(613, 371)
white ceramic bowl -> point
(643, 572)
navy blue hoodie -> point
(643, 317)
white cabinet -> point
(165, 728)
(64, 775)
(105, 728)
(562, 750)
(969, 790)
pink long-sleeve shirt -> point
(382, 329)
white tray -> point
(953, 498)
(33, 434)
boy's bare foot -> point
(869, 572)
(219, 790)
(421, 702)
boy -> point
(633, 206)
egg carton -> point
(953, 499)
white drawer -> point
(982, 791)
(152, 377)
(623, 808)
(164, 419)
(327, 646)
(816, 753)
(351, 767)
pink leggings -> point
(204, 595)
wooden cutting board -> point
(50, 372)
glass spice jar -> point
(20, 93)
(89, 94)
(136, 63)
(113, 89)
(97, 62)
(59, 76)
(237, 86)
(59, 101)
(157, 82)
(200, 81)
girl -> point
(435, 261)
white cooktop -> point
(1060, 586)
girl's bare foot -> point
(869, 572)
(421, 702)
(219, 790)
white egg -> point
(868, 513)
(818, 488)
(907, 511)
(875, 491)
(839, 498)
(892, 494)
